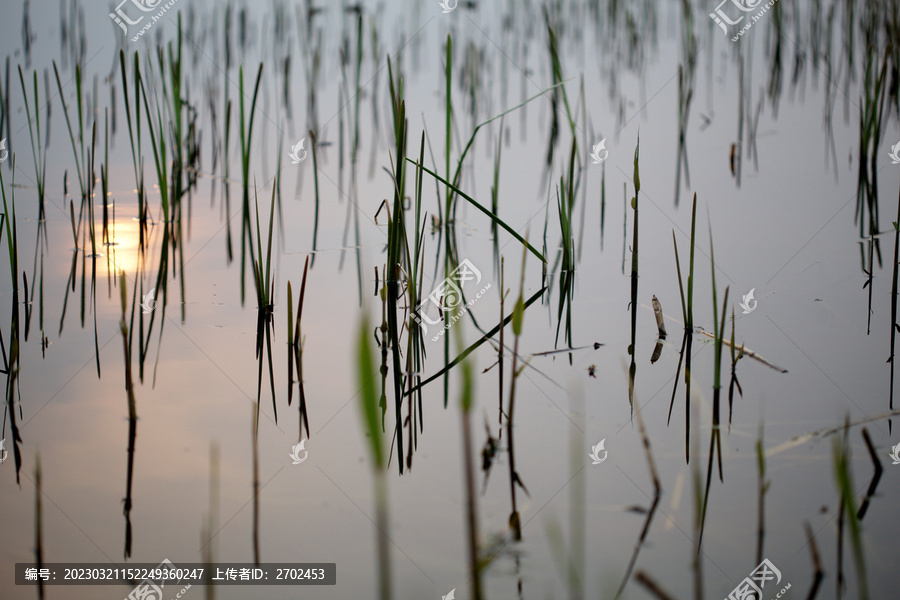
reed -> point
(254, 434)
(368, 405)
(264, 280)
(448, 193)
(556, 68)
(314, 150)
(134, 139)
(657, 493)
(415, 349)
(652, 586)
(846, 492)
(4, 105)
(156, 126)
(38, 151)
(466, 402)
(876, 475)
(735, 357)
(12, 361)
(577, 497)
(762, 487)
(685, 93)
(246, 131)
(82, 157)
(397, 251)
(518, 317)
(495, 197)
(715, 441)
(661, 331)
(174, 91)
(295, 350)
(818, 573)
(894, 325)
(132, 410)
(565, 207)
(210, 527)
(699, 519)
(38, 524)
(636, 179)
(687, 311)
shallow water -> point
(786, 230)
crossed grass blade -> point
(474, 203)
(472, 347)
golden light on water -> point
(121, 252)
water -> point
(782, 224)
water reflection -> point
(172, 97)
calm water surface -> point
(772, 147)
